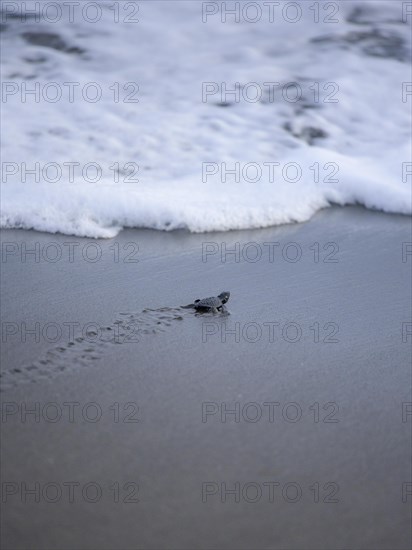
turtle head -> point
(224, 296)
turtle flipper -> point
(191, 306)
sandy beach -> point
(283, 425)
(156, 153)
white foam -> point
(171, 132)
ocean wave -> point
(220, 126)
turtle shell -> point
(213, 301)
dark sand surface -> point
(168, 362)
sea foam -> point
(154, 152)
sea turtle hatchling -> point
(214, 304)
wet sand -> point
(278, 426)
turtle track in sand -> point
(87, 348)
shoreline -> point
(320, 329)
